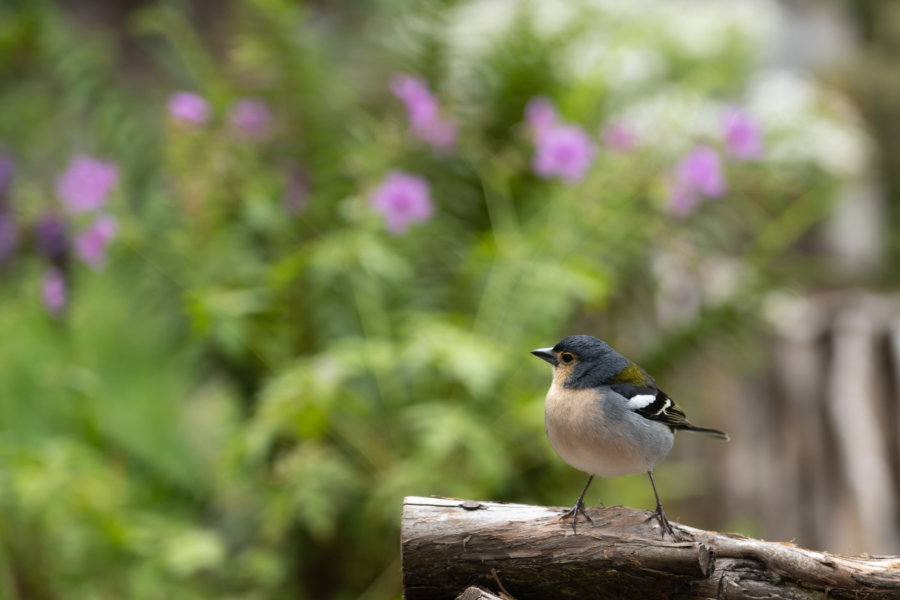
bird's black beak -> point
(546, 354)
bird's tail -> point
(705, 430)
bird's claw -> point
(665, 526)
(573, 512)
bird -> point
(604, 415)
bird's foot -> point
(573, 512)
(665, 526)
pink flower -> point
(540, 115)
(698, 175)
(251, 117)
(743, 138)
(563, 151)
(189, 108)
(701, 169)
(423, 111)
(618, 136)
(91, 244)
(53, 290)
(421, 106)
(86, 183)
(402, 199)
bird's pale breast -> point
(578, 423)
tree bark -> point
(449, 545)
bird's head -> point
(582, 361)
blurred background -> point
(270, 266)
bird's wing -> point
(652, 403)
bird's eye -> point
(566, 357)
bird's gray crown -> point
(597, 361)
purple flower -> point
(563, 151)
(421, 105)
(402, 199)
(91, 244)
(618, 136)
(701, 169)
(86, 183)
(9, 235)
(7, 170)
(251, 117)
(53, 290)
(52, 238)
(698, 175)
(189, 108)
(423, 110)
(743, 138)
(540, 115)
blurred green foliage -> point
(237, 404)
(874, 84)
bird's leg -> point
(660, 512)
(579, 507)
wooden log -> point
(448, 545)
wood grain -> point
(449, 545)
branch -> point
(448, 545)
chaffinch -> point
(605, 416)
